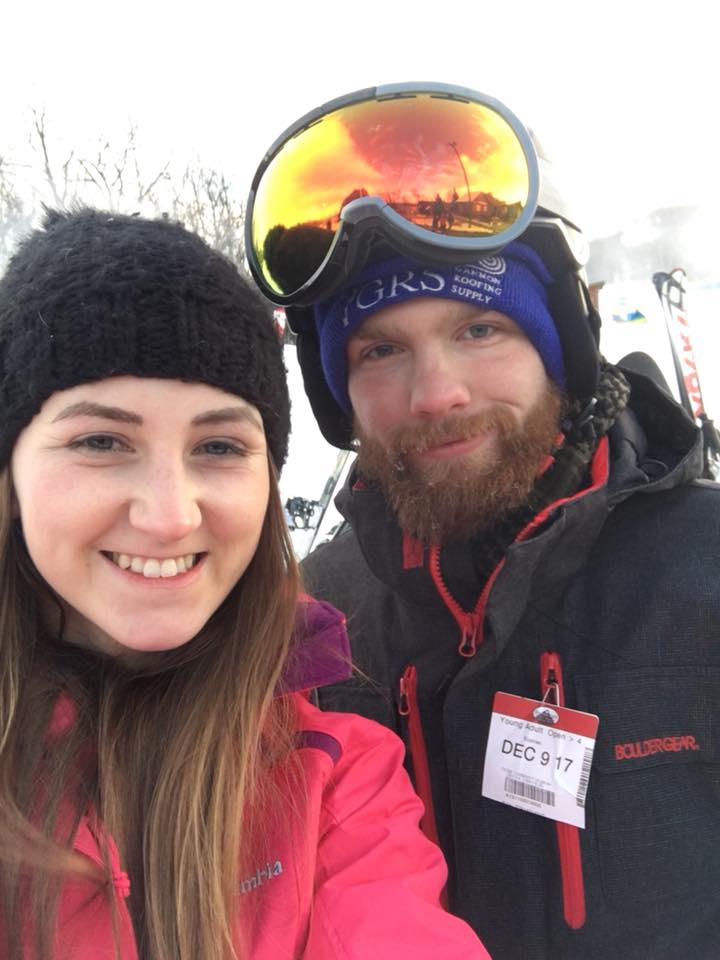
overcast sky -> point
(623, 93)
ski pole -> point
(327, 494)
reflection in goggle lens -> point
(447, 166)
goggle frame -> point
(369, 218)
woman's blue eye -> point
(98, 443)
(222, 448)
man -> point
(524, 521)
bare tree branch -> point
(41, 135)
(201, 197)
(15, 219)
(206, 205)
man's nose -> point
(438, 388)
(166, 503)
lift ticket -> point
(539, 757)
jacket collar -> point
(320, 649)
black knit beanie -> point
(94, 295)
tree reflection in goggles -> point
(447, 166)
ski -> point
(671, 290)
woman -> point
(166, 789)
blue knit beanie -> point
(513, 282)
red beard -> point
(456, 499)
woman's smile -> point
(154, 567)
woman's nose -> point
(166, 505)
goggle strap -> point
(575, 319)
(334, 423)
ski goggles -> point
(441, 173)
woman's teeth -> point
(152, 568)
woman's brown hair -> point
(171, 750)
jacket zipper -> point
(418, 752)
(409, 709)
(470, 622)
(568, 836)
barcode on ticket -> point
(529, 791)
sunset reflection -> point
(451, 167)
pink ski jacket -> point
(349, 878)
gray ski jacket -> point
(616, 590)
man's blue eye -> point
(380, 351)
(479, 330)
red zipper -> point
(568, 836)
(410, 709)
(470, 622)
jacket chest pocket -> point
(654, 798)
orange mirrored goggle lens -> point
(452, 167)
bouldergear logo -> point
(647, 748)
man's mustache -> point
(417, 438)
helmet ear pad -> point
(578, 326)
(334, 423)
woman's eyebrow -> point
(228, 415)
(85, 408)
